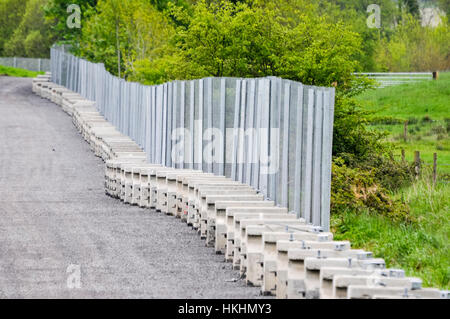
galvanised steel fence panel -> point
(273, 134)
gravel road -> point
(55, 218)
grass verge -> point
(16, 72)
(422, 249)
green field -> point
(426, 107)
(21, 73)
(421, 248)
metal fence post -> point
(298, 152)
(223, 94)
(285, 142)
(237, 110)
(307, 156)
(317, 159)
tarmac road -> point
(56, 219)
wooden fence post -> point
(435, 75)
(417, 163)
(434, 168)
(403, 155)
(405, 131)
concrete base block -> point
(281, 280)
(269, 280)
(364, 292)
(254, 270)
(342, 282)
(172, 203)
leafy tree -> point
(286, 39)
(444, 5)
(11, 12)
(56, 13)
(349, 10)
(413, 47)
(353, 13)
(163, 5)
(122, 31)
(32, 37)
(412, 7)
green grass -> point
(426, 106)
(427, 138)
(9, 71)
(412, 100)
(422, 249)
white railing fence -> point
(397, 78)
(273, 134)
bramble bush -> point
(356, 189)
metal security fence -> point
(273, 134)
(30, 64)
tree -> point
(32, 37)
(56, 13)
(444, 5)
(412, 7)
(122, 31)
(11, 12)
(353, 13)
(413, 47)
(285, 38)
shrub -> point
(447, 124)
(427, 119)
(389, 173)
(413, 47)
(385, 120)
(412, 120)
(439, 129)
(358, 190)
(351, 134)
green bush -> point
(288, 39)
(32, 36)
(438, 129)
(413, 47)
(427, 119)
(391, 174)
(351, 134)
(412, 120)
(359, 190)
